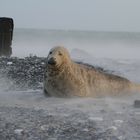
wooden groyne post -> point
(6, 36)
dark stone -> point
(6, 36)
(137, 103)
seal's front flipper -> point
(46, 93)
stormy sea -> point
(25, 113)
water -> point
(112, 45)
(116, 51)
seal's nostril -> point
(52, 61)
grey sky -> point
(108, 15)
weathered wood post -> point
(6, 35)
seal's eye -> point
(50, 53)
(60, 53)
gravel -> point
(26, 114)
(25, 72)
(34, 124)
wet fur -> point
(73, 79)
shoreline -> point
(25, 113)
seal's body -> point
(63, 77)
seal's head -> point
(57, 57)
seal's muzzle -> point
(52, 61)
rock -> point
(19, 131)
(112, 128)
(43, 127)
(103, 111)
(85, 129)
(118, 122)
(137, 103)
(9, 63)
(137, 113)
(121, 138)
(119, 113)
(96, 118)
